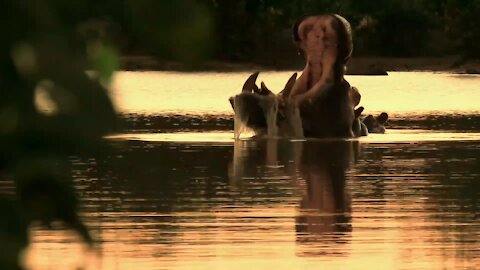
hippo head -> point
(327, 101)
(358, 127)
(376, 124)
(325, 39)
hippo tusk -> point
(250, 83)
(289, 85)
(265, 90)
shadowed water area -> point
(179, 193)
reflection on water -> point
(219, 137)
(259, 204)
(324, 223)
(179, 193)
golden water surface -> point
(179, 193)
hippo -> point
(376, 124)
(358, 127)
(320, 103)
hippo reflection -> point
(320, 103)
(324, 217)
(318, 171)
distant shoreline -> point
(357, 66)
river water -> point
(179, 193)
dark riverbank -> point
(357, 66)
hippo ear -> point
(355, 94)
(289, 85)
(264, 89)
(250, 83)
(369, 121)
(358, 112)
(382, 118)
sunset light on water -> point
(242, 135)
(189, 197)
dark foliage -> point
(52, 109)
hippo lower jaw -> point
(254, 110)
(262, 115)
(330, 115)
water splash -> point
(240, 116)
(269, 105)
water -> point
(206, 93)
(179, 193)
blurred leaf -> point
(13, 234)
(105, 61)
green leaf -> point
(105, 61)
